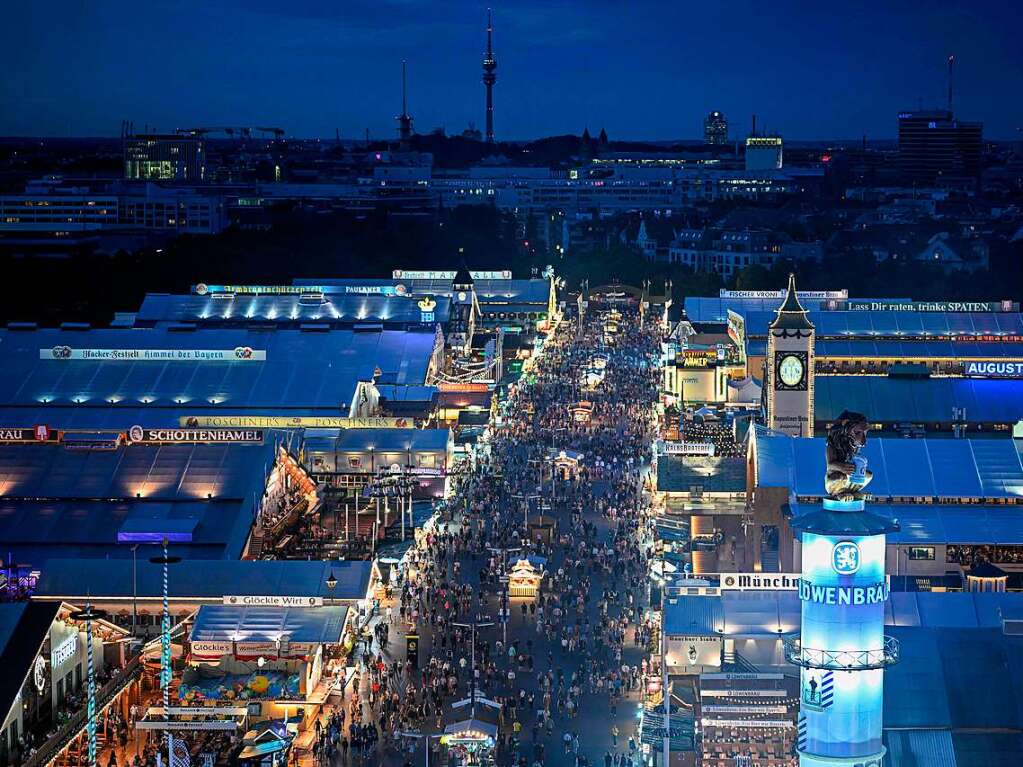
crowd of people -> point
(554, 678)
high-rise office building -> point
(715, 128)
(933, 144)
(164, 157)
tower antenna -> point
(404, 119)
(951, 65)
(490, 76)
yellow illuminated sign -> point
(293, 422)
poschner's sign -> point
(137, 434)
(238, 354)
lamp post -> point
(134, 590)
(331, 585)
(90, 614)
(165, 646)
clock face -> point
(790, 370)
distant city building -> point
(65, 212)
(933, 144)
(726, 251)
(164, 157)
(715, 129)
(764, 153)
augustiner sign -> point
(293, 422)
(136, 434)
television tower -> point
(404, 119)
(489, 76)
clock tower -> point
(789, 368)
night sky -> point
(641, 69)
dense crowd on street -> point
(555, 676)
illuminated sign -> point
(844, 595)
(401, 274)
(693, 651)
(202, 289)
(137, 434)
(929, 306)
(383, 290)
(65, 651)
(30, 435)
(759, 581)
(689, 448)
(994, 369)
(211, 649)
(987, 339)
(293, 422)
(238, 354)
(845, 558)
(479, 388)
(272, 601)
(811, 294)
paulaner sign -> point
(994, 369)
(844, 595)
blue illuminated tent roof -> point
(304, 372)
(956, 523)
(73, 578)
(865, 349)
(532, 291)
(336, 310)
(62, 503)
(918, 400)
(962, 678)
(225, 623)
(916, 748)
(863, 324)
(929, 468)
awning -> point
(256, 631)
(471, 729)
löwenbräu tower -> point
(842, 650)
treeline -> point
(90, 288)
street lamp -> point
(331, 585)
(90, 614)
(165, 645)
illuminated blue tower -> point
(842, 650)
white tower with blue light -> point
(842, 650)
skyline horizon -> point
(637, 71)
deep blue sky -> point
(645, 69)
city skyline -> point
(646, 72)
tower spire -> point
(404, 119)
(490, 76)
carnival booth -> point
(471, 742)
(542, 529)
(269, 659)
(526, 576)
(581, 412)
(566, 463)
